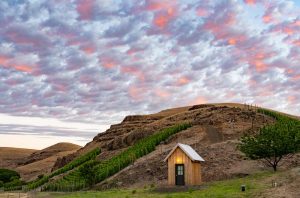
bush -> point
(7, 175)
(15, 184)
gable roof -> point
(188, 150)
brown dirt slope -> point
(50, 151)
(30, 171)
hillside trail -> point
(14, 195)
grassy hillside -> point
(96, 171)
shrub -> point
(7, 175)
(15, 184)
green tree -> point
(273, 143)
(7, 175)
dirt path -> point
(213, 135)
(14, 195)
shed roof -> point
(188, 150)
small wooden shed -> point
(184, 166)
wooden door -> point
(179, 174)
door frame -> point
(176, 165)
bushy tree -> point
(274, 142)
(7, 175)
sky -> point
(71, 68)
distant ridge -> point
(30, 162)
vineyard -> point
(73, 164)
(284, 124)
(93, 171)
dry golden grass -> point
(63, 146)
(10, 157)
(44, 159)
(31, 171)
(13, 153)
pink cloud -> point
(11, 63)
(85, 9)
(88, 49)
(60, 87)
(134, 71)
(3, 60)
(183, 81)
(136, 93)
(250, 2)
(292, 100)
(108, 62)
(296, 42)
(230, 94)
(222, 28)
(296, 77)
(198, 100)
(202, 12)
(165, 11)
(162, 94)
(267, 18)
(23, 68)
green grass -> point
(229, 188)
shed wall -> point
(192, 170)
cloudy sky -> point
(70, 68)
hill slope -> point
(213, 131)
(31, 163)
(214, 134)
(11, 157)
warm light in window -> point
(179, 160)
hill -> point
(214, 133)
(11, 157)
(31, 163)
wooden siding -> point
(192, 170)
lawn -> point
(230, 188)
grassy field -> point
(257, 185)
(230, 188)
